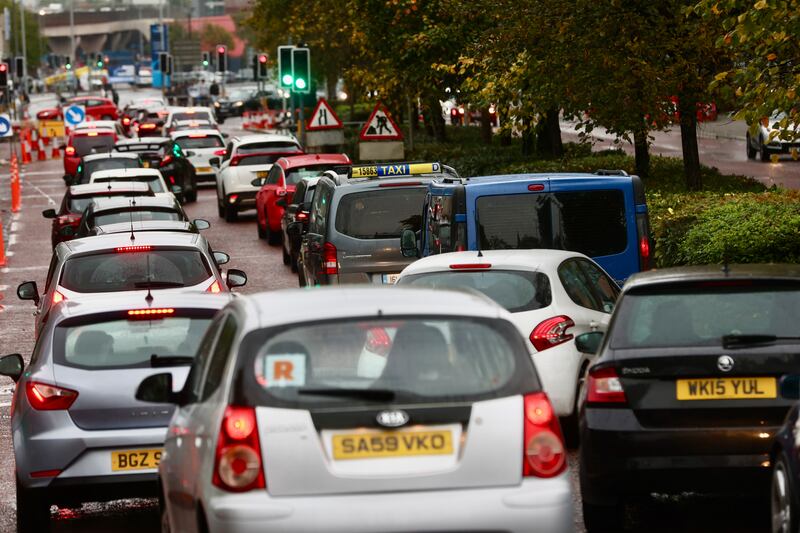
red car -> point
(96, 107)
(278, 189)
(84, 142)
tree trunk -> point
(436, 120)
(548, 134)
(691, 153)
(330, 87)
(642, 153)
(486, 126)
(530, 134)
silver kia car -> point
(361, 409)
(79, 433)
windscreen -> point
(127, 271)
(700, 317)
(381, 213)
(128, 343)
(154, 182)
(591, 222)
(85, 145)
(106, 164)
(266, 147)
(137, 215)
(206, 141)
(294, 175)
(410, 359)
(515, 290)
(239, 95)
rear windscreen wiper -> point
(157, 284)
(170, 360)
(736, 341)
(367, 394)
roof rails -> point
(606, 172)
(395, 170)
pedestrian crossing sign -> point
(380, 126)
(324, 118)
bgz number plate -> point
(135, 459)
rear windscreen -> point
(380, 213)
(393, 359)
(515, 290)
(106, 164)
(85, 145)
(128, 271)
(591, 222)
(153, 182)
(135, 215)
(251, 160)
(701, 317)
(193, 115)
(206, 141)
(294, 175)
(273, 146)
(128, 343)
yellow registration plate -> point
(135, 459)
(725, 388)
(203, 170)
(392, 444)
(262, 174)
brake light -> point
(58, 297)
(172, 180)
(214, 287)
(45, 473)
(235, 161)
(150, 312)
(330, 263)
(147, 126)
(125, 249)
(604, 386)
(197, 135)
(544, 454)
(302, 215)
(70, 150)
(45, 397)
(166, 161)
(378, 341)
(551, 332)
(645, 246)
(220, 152)
(238, 464)
(536, 187)
(126, 121)
(471, 266)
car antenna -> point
(149, 297)
(478, 231)
(131, 203)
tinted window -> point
(122, 271)
(195, 379)
(274, 175)
(137, 215)
(605, 289)
(318, 222)
(293, 176)
(515, 290)
(191, 115)
(216, 365)
(153, 182)
(700, 317)
(79, 204)
(590, 222)
(442, 228)
(380, 214)
(273, 146)
(206, 141)
(258, 159)
(106, 164)
(85, 145)
(128, 343)
(578, 286)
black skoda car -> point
(684, 393)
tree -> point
(212, 35)
(33, 41)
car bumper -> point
(784, 147)
(242, 199)
(536, 505)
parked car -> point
(97, 108)
(767, 142)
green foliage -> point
(212, 35)
(33, 41)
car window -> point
(318, 222)
(199, 141)
(216, 365)
(90, 167)
(274, 175)
(50, 271)
(299, 192)
(153, 182)
(294, 175)
(228, 151)
(309, 194)
(92, 144)
(257, 159)
(135, 215)
(442, 229)
(605, 289)
(194, 381)
(577, 286)
(268, 146)
(380, 213)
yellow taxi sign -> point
(399, 169)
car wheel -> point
(273, 237)
(603, 518)
(293, 262)
(33, 511)
(220, 205)
(751, 152)
(262, 233)
(231, 213)
(763, 153)
(191, 196)
(783, 509)
(287, 259)
(569, 424)
(301, 276)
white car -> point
(249, 158)
(112, 125)
(276, 429)
(188, 113)
(151, 176)
(200, 146)
(553, 296)
(144, 77)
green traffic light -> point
(300, 83)
(68, 66)
(287, 79)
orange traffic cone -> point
(55, 153)
(246, 120)
(41, 155)
(16, 198)
(2, 246)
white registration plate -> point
(390, 279)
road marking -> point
(38, 173)
(49, 198)
(6, 270)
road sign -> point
(51, 129)
(74, 115)
(5, 126)
(380, 126)
(324, 117)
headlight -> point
(238, 104)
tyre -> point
(231, 213)
(301, 277)
(262, 233)
(220, 205)
(287, 259)
(273, 237)
(569, 424)
(191, 196)
(782, 507)
(751, 152)
(33, 511)
(603, 518)
(293, 262)
(763, 153)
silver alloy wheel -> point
(781, 502)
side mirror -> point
(589, 342)
(11, 366)
(236, 278)
(408, 244)
(67, 231)
(176, 189)
(214, 161)
(49, 213)
(294, 229)
(27, 290)
(789, 386)
(281, 202)
(221, 258)
(201, 224)
(292, 209)
(257, 182)
(189, 153)
(157, 389)
(68, 179)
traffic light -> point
(301, 70)
(222, 58)
(99, 60)
(19, 67)
(262, 60)
(169, 65)
(67, 63)
(162, 61)
(3, 76)
(206, 59)
(285, 67)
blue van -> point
(603, 215)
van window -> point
(318, 223)
(591, 222)
(381, 213)
(442, 228)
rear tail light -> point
(125, 249)
(166, 161)
(220, 152)
(45, 397)
(126, 121)
(645, 246)
(238, 464)
(135, 313)
(45, 473)
(69, 150)
(378, 341)
(302, 215)
(147, 126)
(471, 266)
(235, 161)
(280, 192)
(172, 180)
(214, 287)
(604, 386)
(544, 454)
(58, 297)
(232, 198)
(330, 262)
(551, 332)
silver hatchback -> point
(362, 409)
(79, 433)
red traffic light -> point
(262, 58)
(220, 49)
(3, 67)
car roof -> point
(92, 303)
(265, 137)
(141, 140)
(96, 124)
(357, 184)
(489, 181)
(145, 225)
(122, 173)
(115, 240)
(110, 155)
(295, 161)
(102, 204)
(529, 260)
(90, 189)
(323, 303)
(676, 275)
(189, 133)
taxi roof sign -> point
(395, 170)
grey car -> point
(105, 211)
(409, 410)
(79, 434)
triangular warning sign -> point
(380, 126)
(324, 117)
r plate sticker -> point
(285, 370)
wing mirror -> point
(257, 182)
(281, 202)
(589, 342)
(189, 153)
(235, 278)
(789, 386)
(49, 213)
(157, 389)
(201, 224)
(294, 229)
(11, 366)
(27, 290)
(408, 244)
(214, 162)
(221, 258)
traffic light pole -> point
(302, 122)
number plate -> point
(203, 170)
(135, 459)
(725, 388)
(390, 279)
(262, 174)
(392, 444)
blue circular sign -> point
(74, 115)
(5, 126)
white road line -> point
(6, 270)
(49, 198)
(37, 173)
